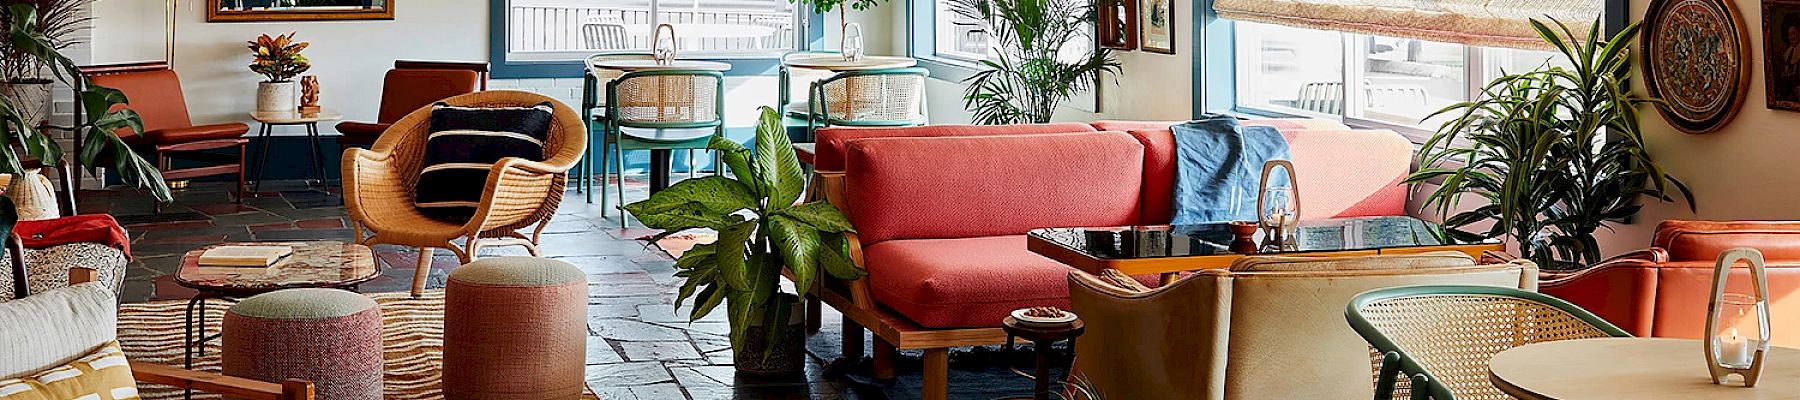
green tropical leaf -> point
(834, 259)
(798, 245)
(735, 265)
(821, 216)
(775, 157)
(717, 194)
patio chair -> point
(593, 104)
(661, 110)
(886, 97)
(605, 36)
(1411, 328)
(379, 185)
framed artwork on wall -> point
(1116, 24)
(1697, 59)
(1158, 22)
(1781, 53)
(297, 10)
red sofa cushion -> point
(1704, 240)
(959, 187)
(829, 156)
(968, 282)
(1342, 173)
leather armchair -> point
(155, 91)
(1267, 328)
(1663, 291)
(412, 85)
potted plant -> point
(279, 60)
(1552, 154)
(761, 231)
(1035, 69)
(23, 76)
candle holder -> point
(1278, 207)
(1731, 316)
(851, 44)
(663, 55)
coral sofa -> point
(942, 212)
(1662, 291)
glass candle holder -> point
(1737, 324)
(1738, 334)
(1280, 215)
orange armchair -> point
(412, 85)
(1663, 291)
(155, 91)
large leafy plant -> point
(760, 227)
(57, 21)
(1536, 148)
(99, 128)
(1040, 59)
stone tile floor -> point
(640, 347)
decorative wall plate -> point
(1696, 56)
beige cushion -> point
(1360, 263)
(55, 327)
(518, 271)
(303, 304)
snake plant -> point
(1554, 154)
(761, 228)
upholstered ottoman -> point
(515, 328)
(328, 336)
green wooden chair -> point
(1442, 337)
(660, 110)
(785, 76)
(882, 97)
(592, 103)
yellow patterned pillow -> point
(101, 375)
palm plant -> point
(1535, 148)
(57, 21)
(1044, 57)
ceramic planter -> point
(276, 97)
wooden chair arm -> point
(859, 289)
(230, 386)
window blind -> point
(1493, 23)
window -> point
(1364, 79)
(546, 30)
(957, 36)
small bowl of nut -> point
(1043, 316)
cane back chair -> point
(661, 110)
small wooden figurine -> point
(309, 94)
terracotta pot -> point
(275, 97)
(787, 357)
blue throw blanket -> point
(1218, 168)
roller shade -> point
(1493, 23)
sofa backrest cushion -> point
(1286, 124)
(957, 187)
(829, 155)
(1704, 240)
(1342, 173)
(55, 327)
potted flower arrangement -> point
(278, 59)
(762, 231)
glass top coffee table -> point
(1164, 249)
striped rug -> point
(412, 335)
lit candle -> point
(1734, 351)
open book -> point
(244, 256)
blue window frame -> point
(568, 39)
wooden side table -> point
(1041, 339)
(269, 120)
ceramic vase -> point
(33, 195)
(275, 97)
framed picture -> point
(1781, 53)
(297, 10)
(1158, 22)
(1116, 24)
(1697, 58)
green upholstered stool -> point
(331, 337)
(515, 328)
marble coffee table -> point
(313, 264)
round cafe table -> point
(1633, 368)
(659, 159)
(834, 62)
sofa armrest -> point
(230, 386)
(1622, 291)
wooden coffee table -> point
(314, 264)
(1632, 368)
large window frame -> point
(499, 24)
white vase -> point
(275, 97)
(34, 196)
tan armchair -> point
(1268, 328)
(379, 183)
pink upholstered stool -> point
(515, 328)
(328, 336)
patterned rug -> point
(412, 336)
(678, 244)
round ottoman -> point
(328, 336)
(515, 328)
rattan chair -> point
(1442, 337)
(592, 103)
(379, 185)
(786, 75)
(884, 97)
(661, 110)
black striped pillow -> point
(465, 143)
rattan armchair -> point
(379, 185)
(1442, 337)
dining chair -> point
(607, 34)
(671, 109)
(883, 97)
(786, 75)
(1442, 337)
(593, 104)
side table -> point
(1041, 339)
(269, 120)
